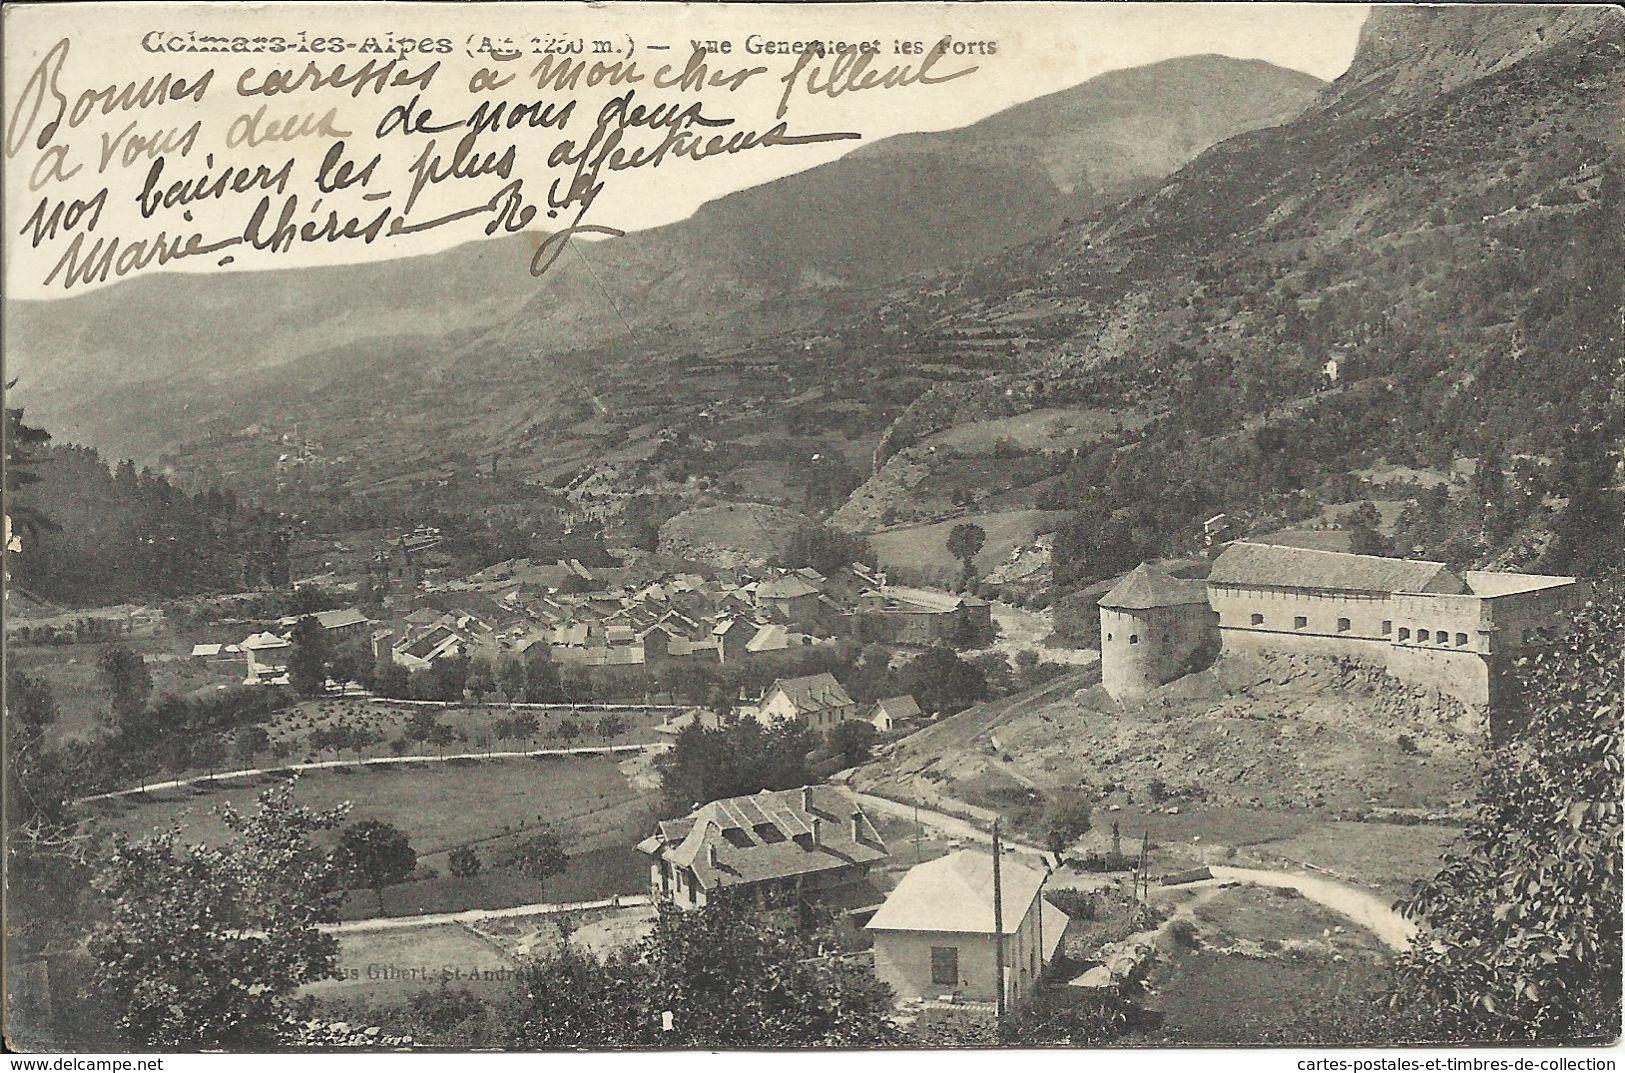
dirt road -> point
(1020, 628)
(1370, 911)
(474, 916)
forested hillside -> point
(1458, 252)
(94, 533)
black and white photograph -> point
(848, 527)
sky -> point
(1040, 48)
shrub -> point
(1077, 904)
(1184, 933)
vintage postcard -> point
(550, 526)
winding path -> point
(474, 916)
(1362, 907)
(317, 765)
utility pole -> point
(998, 928)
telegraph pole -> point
(998, 927)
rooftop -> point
(1276, 566)
(1491, 583)
(786, 588)
(768, 835)
(955, 894)
(899, 708)
(1145, 586)
(814, 692)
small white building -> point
(935, 934)
(891, 712)
(267, 658)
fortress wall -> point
(1460, 619)
(1464, 675)
(1323, 612)
(1245, 641)
(1527, 619)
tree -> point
(442, 736)
(362, 738)
(481, 679)
(249, 743)
(726, 976)
(513, 678)
(539, 857)
(308, 657)
(420, 725)
(208, 750)
(705, 764)
(24, 445)
(526, 725)
(125, 677)
(374, 854)
(1067, 820)
(853, 740)
(1520, 932)
(390, 679)
(1364, 540)
(464, 862)
(964, 541)
(942, 682)
(204, 946)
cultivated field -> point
(923, 549)
(1050, 428)
(599, 807)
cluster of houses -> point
(603, 617)
(264, 655)
(953, 929)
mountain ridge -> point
(735, 251)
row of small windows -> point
(1301, 622)
(1441, 637)
(1134, 638)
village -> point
(596, 672)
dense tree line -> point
(99, 534)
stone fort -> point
(1422, 622)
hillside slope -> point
(1272, 732)
(944, 199)
(1446, 222)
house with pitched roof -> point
(936, 934)
(266, 655)
(346, 626)
(815, 699)
(889, 713)
(792, 598)
(778, 847)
